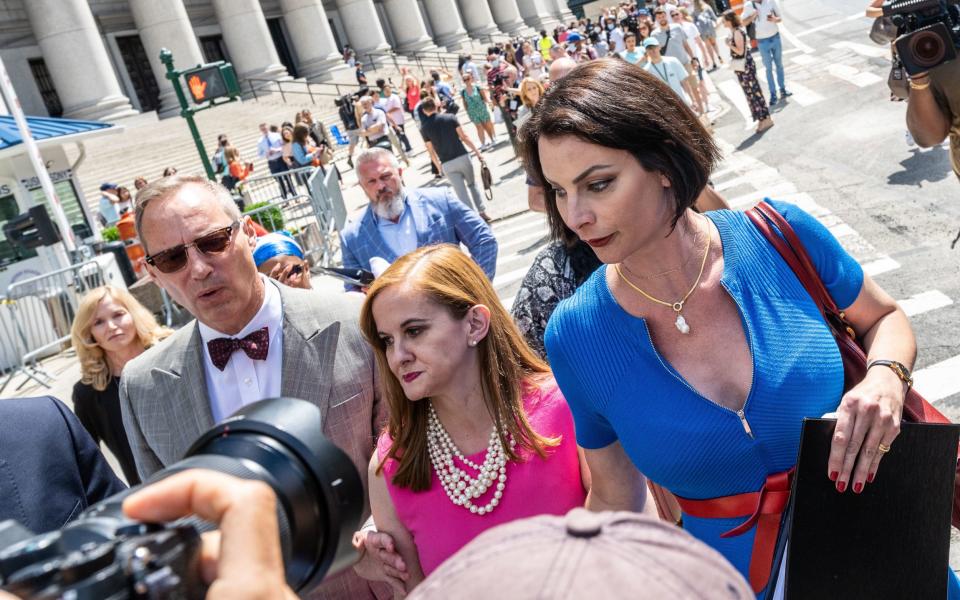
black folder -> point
(891, 541)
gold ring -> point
(883, 448)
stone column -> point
(563, 12)
(408, 26)
(77, 60)
(507, 16)
(245, 32)
(478, 18)
(166, 25)
(536, 15)
(364, 33)
(309, 30)
(448, 30)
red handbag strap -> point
(765, 217)
(784, 239)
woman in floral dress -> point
(739, 51)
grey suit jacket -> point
(163, 392)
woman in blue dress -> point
(693, 354)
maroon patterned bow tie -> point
(255, 345)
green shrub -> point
(110, 234)
(270, 219)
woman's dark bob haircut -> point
(614, 104)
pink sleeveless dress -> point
(534, 486)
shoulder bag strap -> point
(784, 239)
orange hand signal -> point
(198, 88)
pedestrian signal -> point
(211, 81)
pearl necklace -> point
(460, 486)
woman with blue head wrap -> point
(280, 257)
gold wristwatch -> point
(897, 367)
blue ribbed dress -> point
(620, 388)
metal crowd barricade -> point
(39, 311)
(327, 198)
(270, 187)
(298, 214)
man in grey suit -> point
(252, 338)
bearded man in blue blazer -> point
(399, 220)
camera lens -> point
(319, 492)
(927, 48)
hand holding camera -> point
(242, 560)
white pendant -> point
(681, 324)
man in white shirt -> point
(270, 147)
(616, 36)
(666, 68)
(374, 124)
(765, 14)
(252, 339)
(393, 106)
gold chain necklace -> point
(677, 306)
(676, 269)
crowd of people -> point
(658, 342)
(117, 200)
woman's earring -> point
(473, 342)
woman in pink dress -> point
(478, 433)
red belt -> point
(764, 509)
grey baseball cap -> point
(585, 555)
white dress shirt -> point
(245, 380)
(270, 146)
(401, 237)
(763, 9)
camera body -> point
(102, 555)
(928, 30)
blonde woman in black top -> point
(110, 329)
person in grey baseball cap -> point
(585, 555)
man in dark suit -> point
(252, 338)
(399, 220)
(50, 468)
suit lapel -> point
(309, 350)
(421, 220)
(183, 390)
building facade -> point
(99, 59)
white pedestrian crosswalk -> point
(937, 381)
(520, 238)
(812, 75)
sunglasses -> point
(173, 259)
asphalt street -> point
(840, 140)
(840, 143)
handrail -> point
(339, 89)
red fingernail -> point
(834, 475)
(841, 486)
(857, 488)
